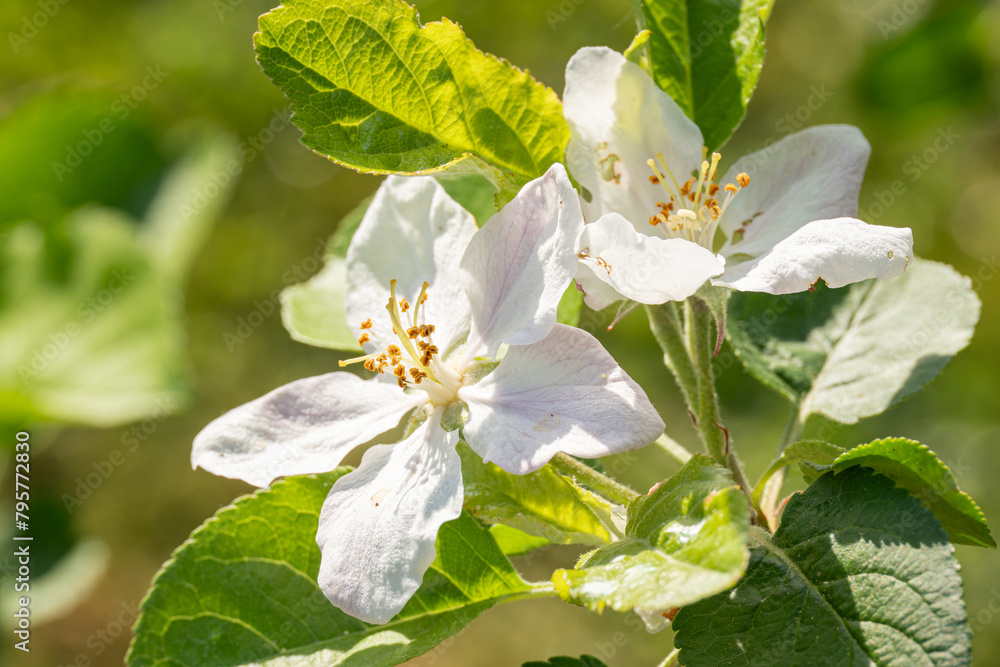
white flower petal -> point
(618, 119)
(811, 175)
(307, 426)
(413, 231)
(378, 525)
(519, 264)
(597, 293)
(840, 251)
(643, 268)
(563, 394)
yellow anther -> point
(403, 306)
(743, 179)
(363, 338)
(413, 332)
(367, 324)
(731, 188)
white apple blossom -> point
(654, 202)
(436, 302)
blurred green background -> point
(119, 123)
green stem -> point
(665, 323)
(701, 335)
(540, 589)
(587, 476)
(674, 449)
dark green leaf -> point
(563, 661)
(854, 352)
(858, 573)
(708, 57)
(243, 590)
(917, 469)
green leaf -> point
(570, 306)
(854, 352)
(563, 661)
(104, 343)
(858, 573)
(66, 148)
(341, 239)
(313, 312)
(514, 542)
(685, 541)
(815, 452)
(243, 590)
(375, 90)
(190, 199)
(708, 56)
(473, 192)
(917, 469)
(543, 503)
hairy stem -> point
(701, 336)
(666, 325)
(602, 484)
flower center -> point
(415, 359)
(693, 210)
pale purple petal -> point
(519, 264)
(840, 251)
(563, 394)
(643, 268)
(413, 231)
(307, 426)
(618, 119)
(379, 523)
(811, 175)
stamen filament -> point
(397, 324)
(420, 300)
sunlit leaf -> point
(543, 503)
(708, 56)
(683, 542)
(243, 590)
(917, 469)
(375, 90)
